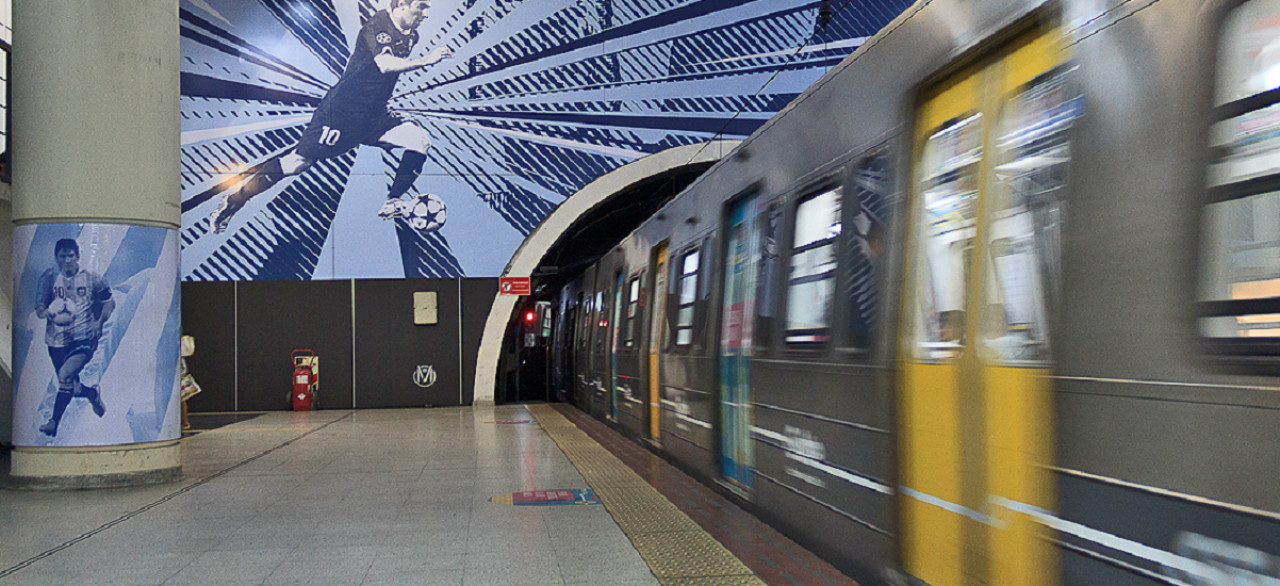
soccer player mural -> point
(354, 112)
(75, 304)
(95, 334)
(506, 106)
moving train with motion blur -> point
(996, 301)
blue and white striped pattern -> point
(541, 98)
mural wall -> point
(516, 104)
(95, 334)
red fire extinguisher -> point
(306, 379)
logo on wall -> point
(283, 177)
(425, 375)
(95, 334)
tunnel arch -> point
(601, 192)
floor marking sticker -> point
(564, 496)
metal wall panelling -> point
(1133, 527)
(276, 317)
(848, 545)
(208, 313)
(398, 363)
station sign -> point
(514, 286)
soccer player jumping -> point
(354, 112)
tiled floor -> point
(339, 497)
(772, 556)
(366, 497)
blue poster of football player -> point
(96, 325)
(354, 112)
(75, 303)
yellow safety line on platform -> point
(677, 550)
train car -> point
(584, 390)
(996, 301)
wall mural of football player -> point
(75, 304)
(97, 317)
(354, 112)
(538, 100)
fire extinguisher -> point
(306, 380)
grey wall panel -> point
(1189, 447)
(477, 298)
(1215, 535)
(1131, 235)
(276, 317)
(690, 457)
(852, 393)
(390, 348)
(1080, 568)
(871, 507)
(864, 452)
(829, 535)
(208, 313)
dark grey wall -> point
(245, 332)
(209, 314)
(276, 317)
(389, 347)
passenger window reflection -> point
(950, 183)
(1024, 218)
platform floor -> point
(401, 497)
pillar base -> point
(85, 467)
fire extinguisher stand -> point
(306, 380)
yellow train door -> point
(657, 333)
(974, 407)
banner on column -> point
(96, 329)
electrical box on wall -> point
(426, 310)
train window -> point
(633, 304)
(1024, 217)
(1240, 271)
(868, 216)
(770, 224)
(811, 284)
(950, 184)
(688, 295)
(602, 318)
(584, 323)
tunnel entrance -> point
(526, 371)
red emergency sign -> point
(514, 286)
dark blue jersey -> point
(363, 88)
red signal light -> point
(529, 316)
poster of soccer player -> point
(365, 139)
(95, 334)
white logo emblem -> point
(425, 376)
(383, 39)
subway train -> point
(996, 301)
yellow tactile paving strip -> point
(676, 549)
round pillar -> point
(95, 152)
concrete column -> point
(95, 151)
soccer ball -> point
(427, 213)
